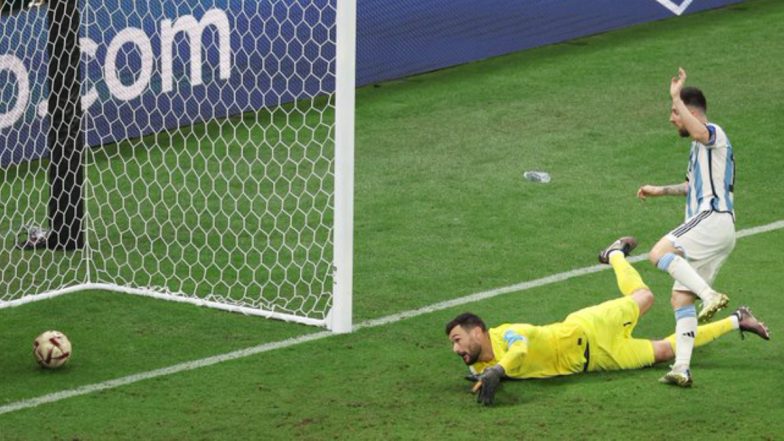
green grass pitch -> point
(442, 211)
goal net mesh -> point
(208, 161)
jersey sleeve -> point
(517, 349)
(717, 138)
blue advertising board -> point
(151, 66)
(397, 38)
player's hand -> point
(676, 84)
(649, 190)
(488, 384)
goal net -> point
(196, 151)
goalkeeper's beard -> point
(471, 356)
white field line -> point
(266, 347)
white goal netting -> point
(188, 150)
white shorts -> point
(706, 239)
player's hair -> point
(468, 321)
(694, 97)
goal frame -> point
(339, 317)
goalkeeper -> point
(597, 338)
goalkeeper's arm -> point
(517, 349)
(488, 384)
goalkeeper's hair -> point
(468, 321)
(694, 97)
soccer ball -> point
(52, 349)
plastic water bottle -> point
(537, 176)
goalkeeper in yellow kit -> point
(598, 338)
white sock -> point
(685, 332)
(684, 273)
(735, 322)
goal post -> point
(340, 318)
(217, 163)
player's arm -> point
(517, 349)
(697, 130)
(491, 377)
(662, 190)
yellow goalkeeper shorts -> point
(609, 329)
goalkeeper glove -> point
(490, 380)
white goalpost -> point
(193, 151)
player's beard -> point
(473, 353)
(684, 133)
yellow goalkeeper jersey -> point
(528, 351)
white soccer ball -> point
(52, 349)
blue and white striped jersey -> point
(711, 174)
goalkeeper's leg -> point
(742, 319)
(629, 281)
(664, 350)
(628, 278)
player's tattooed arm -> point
(662, 190)
(675, 190)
